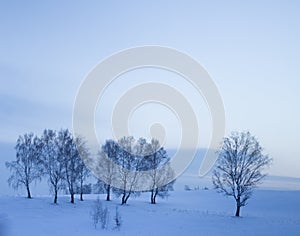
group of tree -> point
(54, 156)
(60, 158)
(121, 162)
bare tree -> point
(83, 174)
(107, 155)
(134, 157)
(71, 159)
(130, 163)
(26, 169)
(96, 212)
(99, 214)
(53, 163)
(83, 171)
(160, 171)
(239, 167)
(118, 219)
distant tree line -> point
(60, 158)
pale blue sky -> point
(250, 48)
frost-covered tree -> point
(27, 167)
(107, 155)
(83, 174)
(53, 162)
(239, 167)
(130, 163)
(71, 159)
(83, 171)
(160, 171)
(133, 157)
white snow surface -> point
(197, 212)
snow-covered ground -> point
(198, 212)
(274, 209)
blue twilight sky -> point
(250, 48)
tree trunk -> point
(123, 198)
(55, 196)
(127, 198)
(72, 197)
(28, 192)
(155, 194)
(108, 193)
(238, 207)
(237, 213)
(152, 196)
(81, 191)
